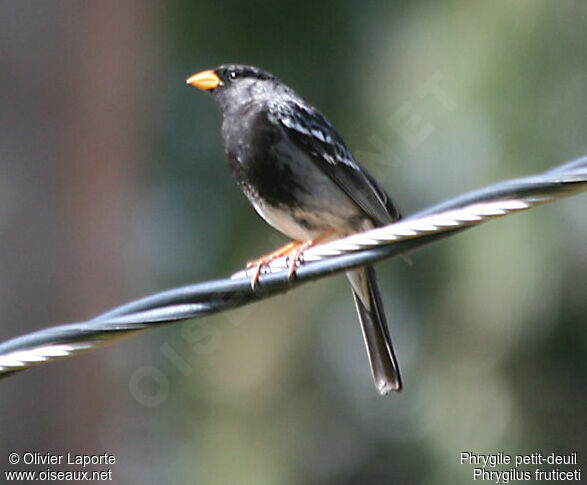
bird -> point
(301, 178)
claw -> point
(256, 274)
(259, 263)
(292, 270)
(295, 259)
(293, 250)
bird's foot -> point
(295, 256)
(264, 261)
(293, 251)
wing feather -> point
(311, 131)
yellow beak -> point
(204, 80)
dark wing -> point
(311, 131)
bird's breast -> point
(282, 182)
(251, 144)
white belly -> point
(318, 223)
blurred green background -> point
(113, 185)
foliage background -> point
(113, 185)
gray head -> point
(235, 84)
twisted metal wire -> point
(202, 299)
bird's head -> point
(234, 83)
(227, 76)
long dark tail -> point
(377, 338)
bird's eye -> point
(232, 75)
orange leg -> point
(267, 258)
(298, 251)
(293, 250)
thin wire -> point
(205, 298)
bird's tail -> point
(375, 332)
